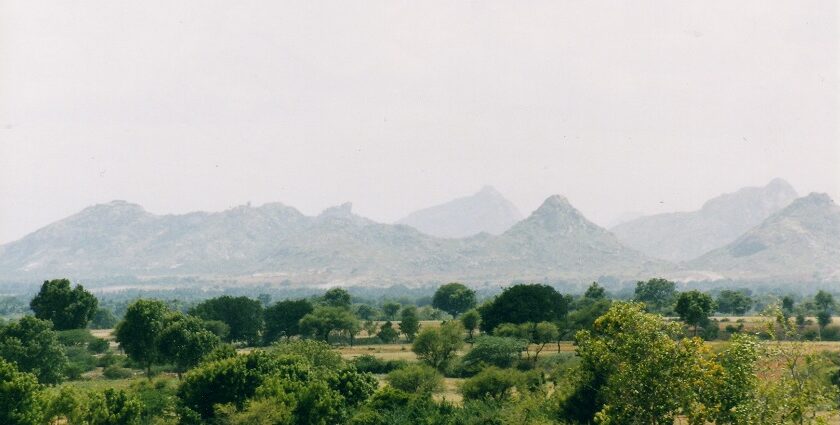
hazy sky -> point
(621, 106)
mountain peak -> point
(484, 211)
(343, 210)
(555, 203)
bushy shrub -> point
(831, 333)
(318, 353)
(79, 361)
(98, 346)
(493, 351)
(75, 337)
(493, 383)
(416, 378)
(117, 372)
(373, 364)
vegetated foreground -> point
(527, 356)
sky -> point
(645, 106)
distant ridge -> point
(485, 211)
(277, 242)
(684, 236)
(798, 243)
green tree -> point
(658, 294)
(524, 303)
(66, 307)
(734, 302)
(416, 378)
(184, 341)
(366, 312)
(492, 383)
(634, 371)
(496, 351)
(103, 319)
(336, 297)
(33, 346)
(325, 320)
(694, 308)
(595, 292)
(824, 301)
(409, 322)
(542, 334)
(787, 305)
(283, 319)
(438, 346)
(390, 309)
(137, 333)
(242, 314)
(454, 298)
(20, 396)
(387, 333)
(471, 320)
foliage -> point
(595, 292)
(336, 297)
(373, 364)
(117, 372)
(33, 346)
(438, 346)
(103, 318)
(409, 322)
(493, 383)
(283, 318)
(137, 333)
(66, 307)
(184, 342)
(317, 353)
(496, 351)
(471, 320)
(217, 327)
(20, 396)
(734, 302)
(524, 303)
(390, 310)
(657, 294)
(454, 298)
(323, 321)
(108, 407)
(416, 378)
(387, 333)
(242, 314)
(694, 308)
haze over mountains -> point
(275, 243)
(683, 236)
(485, 211)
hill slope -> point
(798, 243)
(485, 211)
(687, 235)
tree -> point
(787, 305)
(658, 294)
(242, 314)
(283, 319)
(66, 307)
(387, 333)
(824, 301)
(20, 396)
(409, 322)
(542, 334)
(103, 319)
(323, 321)
(336, 297)
(390, 310)
(734, 302)
(493, 383)
(595, 292)
(694, 308)
(366, 312)
(438, 346)
(454, 298)
(416, 378)
(33, 346)
(137, 333)
(471, 320)
(524, 303)
(633, 371)
(185, 341)
(499, 351)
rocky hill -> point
(684, 236)
(799, 243)
(276, 242)
(485, 211)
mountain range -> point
(486, 211)
(275, 242)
